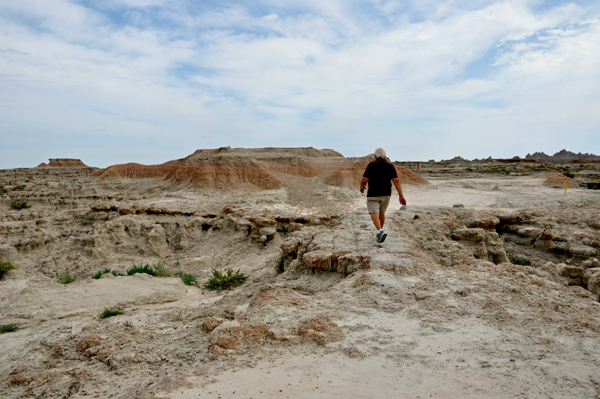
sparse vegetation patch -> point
(161, 270)
(158, 271)
(517, 260)
(141, 269)
(6, 328)
(100, 273)
(6, 266)
(19, 203)
(224, 281)
(19, 187)
(66, 278)
(187, 279)
(568, 173)
(110, 312)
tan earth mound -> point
(262, 153)
(559, 181)
(216, 174)
(350, 174)
(226, 168)
(64, 162)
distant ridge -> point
(563, 156)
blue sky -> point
(147, 81)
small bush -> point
(158, 271)
(469, 169)
(187, 279)
(6, 266)
(501, 170)
(568, 173)
(110, 313)
(517, 260)
(161, 270)
(141, 269)
(19, 203)
(128, 324)
(6, 328)
(66, 278)
(100, 273)
(19, 187)
(226, 281)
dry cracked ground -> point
(485, 288)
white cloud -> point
(322, 72)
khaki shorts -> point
(378, 204)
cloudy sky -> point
(115, 81)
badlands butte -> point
(486, 287)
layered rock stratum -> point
(263, 168)
(486, 287)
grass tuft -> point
(6, 266)
(161, 270)
(19, 203)
(19, 187)
(128, 324)
(110, 312)
(6, 328)
(225, 281)
(141, 269)
(568, 173)
(66, 278)
(187, 279)
(100, 273)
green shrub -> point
(19, 187)
(100, 273)
(6, 328)
(187, 279)
(128, 324)
(161, 270)
(6, 266)
(517, 260)
(110, 312)
(19, 203)
(158, 271)
(226, 281)
(568, 173)
(501, 170)
(66, 278)
(469, 169)
(141, 269)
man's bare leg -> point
(381, 219)
(375, 217)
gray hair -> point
(379, 153)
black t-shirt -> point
(380, 174)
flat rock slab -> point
(40, 300)
(351, 247)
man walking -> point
(380, 174)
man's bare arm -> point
(363, 184)
(399, 189)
